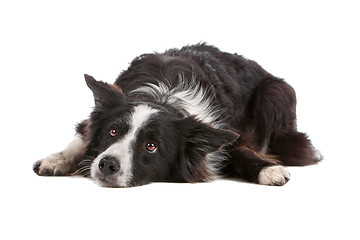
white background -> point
(47, 46)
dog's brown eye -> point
(113, 132)
(151, 147)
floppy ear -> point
(105, 95)
(200, 139)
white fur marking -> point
(188, 97)
(274, 175)
(122, 149)
(215, 161)
(62, 162)
(74, 148)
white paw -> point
(53, 165)
(274, 176)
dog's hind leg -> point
(63, 163)
(274, 114)
(294, 149)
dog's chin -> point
(108, 181)
(109, 184)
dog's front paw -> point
(274, 176)
(53, 165)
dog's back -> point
(228, 80)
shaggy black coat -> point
(258, 106)
(252, 122)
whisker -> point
(85, 171)
(83, 162)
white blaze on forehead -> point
(140, 115)
(122, 149)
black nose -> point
(109, 165)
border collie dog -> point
(186, 115)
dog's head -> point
(134, 143)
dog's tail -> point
(295, 149)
